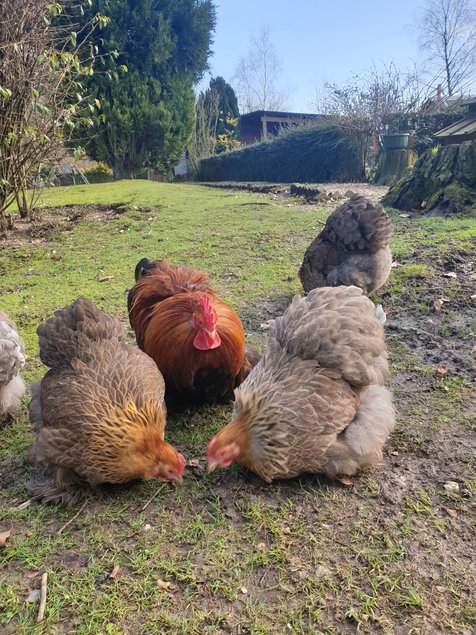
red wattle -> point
(204, 342)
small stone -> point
(33, 596)
(243, 590)
(451, 486)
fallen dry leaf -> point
(404, 215)
(23, 505)
(441, 371)
(286, 530)
(345, 480)
(394, 453)
(450, 274)
(451, 512)
(194, 463)
(4, 535)
(105, 278)
(261, 546)
(165, 586)
(438, 304)
(395, 264)
(116, 573)
(244, 590)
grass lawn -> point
(226, 553)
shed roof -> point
(466, 126)
(257, 114)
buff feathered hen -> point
(352, 249)
(12, 359)
(316, 401)
(99, 411)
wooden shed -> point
(462, 130)
(259, 124)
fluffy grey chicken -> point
(316, 401)
(352, 249)
(12, 359)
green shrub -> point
(99, 174)
(313, 153)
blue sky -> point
(317, 40)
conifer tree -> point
(148, 106)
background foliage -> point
(147, 112)
(309, 153)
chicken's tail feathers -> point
(49, 491)
(250, 360)
(338, 327)
(358, 225)
(68, 334)
(142, 267)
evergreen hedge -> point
(314, 153)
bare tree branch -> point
(257, 76)
(40, 93)
(448, 39)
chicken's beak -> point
(178, 480)
(212, 465)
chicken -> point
(12, 359)
(352, 249)
(316, 401)
(197, 340)
(99, 411)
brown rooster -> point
(99, 411)
(352, 249)
(195, 338)
(315, 402)
(12, 359)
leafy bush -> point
(312, 153)
(101, 173)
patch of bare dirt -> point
(435, 316)
(332, 194)
(48, 221)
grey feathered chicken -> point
(352, 249)
(99, 411)
(12, 359)
(316, 400)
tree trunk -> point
(392, 165)
(119, 172)
(444, 178)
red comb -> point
(208, 312)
